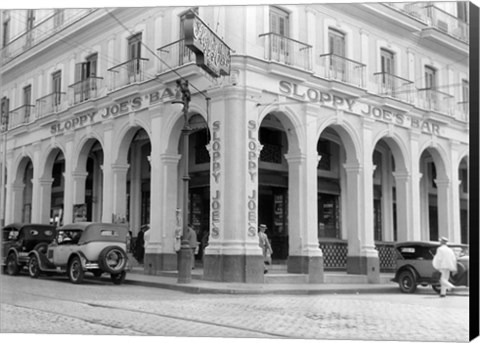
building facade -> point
(342, 127)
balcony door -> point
(387, 65)
(336, 40)
(27, 101)
(30, 20)
(431, 85)
(134, 55)
(57, 88)
(85, 76)
(279, 27)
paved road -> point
(53, 305)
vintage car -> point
(84, 247)
(414, 265)
(19, 239)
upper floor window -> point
(465, 91)
(87, 69)
(27, 99)
(279, 21)
(57, 87)
(134, 54)
(463, 11)
(59, 17)
(6, 32)
(336, 42)
(30, 19)
(430, 78)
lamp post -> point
(4, 121)
(183, 97)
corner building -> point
(342, 127)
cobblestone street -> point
(56, 306)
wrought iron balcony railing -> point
(394, 86)
(85, 89)
(50, 103)
(42, 31)
(462, 111)
(434, 100)
(20, 116)
(126, 73)
(174, 55)
(447, 23)
(413, 9)
(288, 51)
(342, 69)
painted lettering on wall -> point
(111, 111)
(252, 214)
(215, 208)
(357, 107)
(252, 150)
(215, 148)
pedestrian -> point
(266, 247)
(192, 242)
(445, 262)
(140, 245)
(146, 236)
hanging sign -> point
(211, 53)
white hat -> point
(443, 239)
(263, 226)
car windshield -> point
(9, 234)
(68, 236)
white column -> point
(119, 190)
(69, 190)
(403, 181)
(135, 188)
(44, 189)
(455, 234)
(444, 207)
(108, 177)
(415, 211)
(14, 202)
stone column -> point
(135, 188)
(119, 188)
(43, 188)
(305, 255)
(362, 256)
(403, 181)
(414, 212)
(233, 253)
(14, 202)
(444, 207)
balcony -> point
(462, 111)
(287, 51)
(51, 103)
(20, 116)
(413, 9)
(434, 100)
(41, 31)
(447, 23)
(129, 72)
(174, 55)
(394, 86)
(342, 69)
(85, 89)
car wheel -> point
(112, 260)
(118, 279)
(41, 247)
(75, 270)
(12, 266)
(33, 267)
(436, 288)
(406, 280)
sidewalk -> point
(168, 280)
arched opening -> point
(464, 199)
(273, 185)
(27, 193)
(58, 188)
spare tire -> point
(112, 260)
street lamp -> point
(183, 97)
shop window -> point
(328, 216)
(272, 145)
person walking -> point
(445, 262)
(266, 247)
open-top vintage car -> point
(18, 239)
(84, 247)
(414, 265)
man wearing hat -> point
(445, 262)
(265, 245)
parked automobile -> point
(19, 239)
(414, 265)
(84, 247)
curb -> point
(194, 289)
